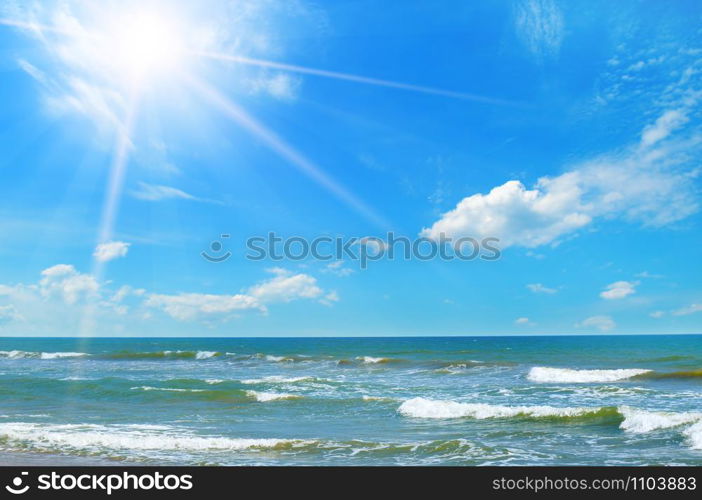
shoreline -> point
(34, 459)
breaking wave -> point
(567, 375)
(89, 437)
(264, 397)
(431, 408)
(40, 355)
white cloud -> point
(63, 280)
(111, 250)
(618, 290)
(337, 268)
(602, 323)
(285, 286)
(282, 86)
(539, 288)
(657, 314)
(691, 309)
(539, 25)
(664, 126)
(8, 313)
(152, 192)
(646, 274)
(32, 71)
(189, 306)
(523, 321)
(330, 298)
(649, 185)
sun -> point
(144, 44)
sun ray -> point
(284, 150)
(355, 78)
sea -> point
(551, 400)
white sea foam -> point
(278, 379)
(213, 381)
(431, 408)
(205, 354)
(694, 435)
(641, 421)
(59, 355)
(264, 397)
(371, 360)
(567, 375)
(95, 437)
(41, 355)
(167, 389)
(277, 359)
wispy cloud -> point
(540, 26)
(691, 309)
(156, 192)
(601, 323)
(281, 86)
(539, 288)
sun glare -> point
(145, 44)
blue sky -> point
(134, 134)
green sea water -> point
(592, 400)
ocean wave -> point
(279, 379)
(567, 375)
(40, 355)
(371, 360)
(366, 397)
(440, 409)
(265, 397)
(167, 389)
(684, 374)
(694, 436)
(89, 437)
(139, 355)
(643, 421)
(214, 381)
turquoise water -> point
(630, 400)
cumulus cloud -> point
(188, 306)
(618, 290)
(539, 288)
(647, 183)
(523, 321)
(602, 323)
(657, 314)
(8, 313)
(285, 286)
(63, 280)
(111, 250)
(539, 25)
(66, 300)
